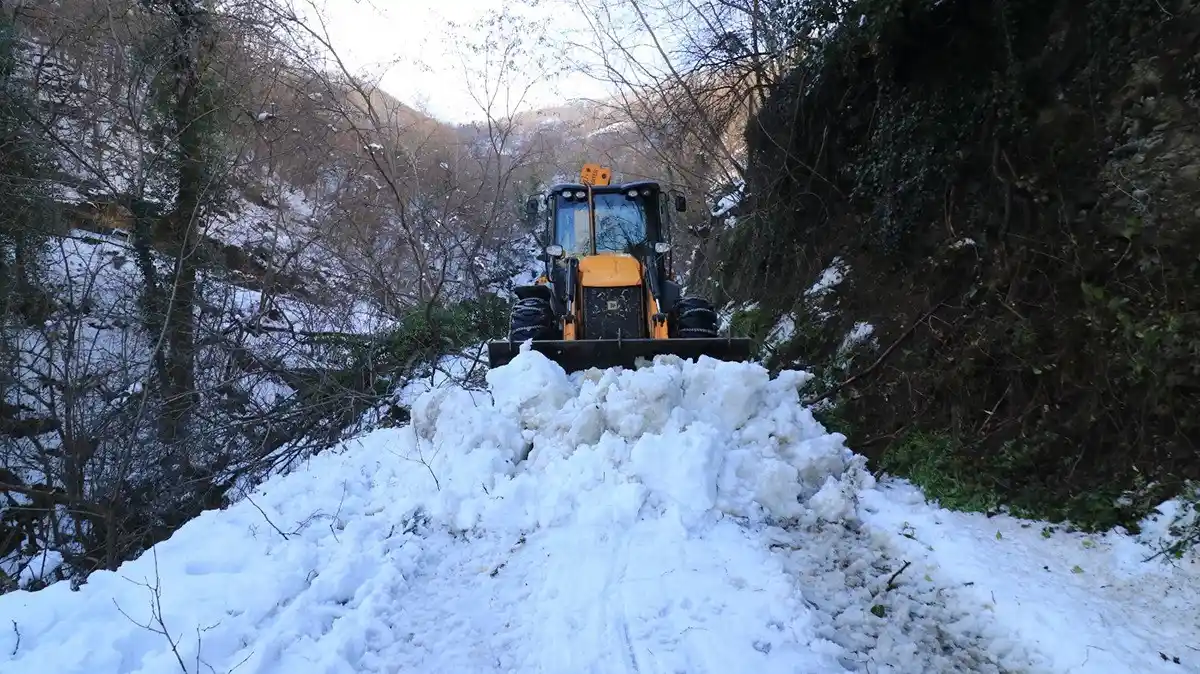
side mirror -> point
(531, 206)
(680, 203)
(551, 253)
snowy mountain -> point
(680, 517)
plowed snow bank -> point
(685, 517)
(560, 526)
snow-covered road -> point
(686, 517)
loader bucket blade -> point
(580, 354)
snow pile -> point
(683, 517)
(1174, 527)
(685, 440)
(434, 547)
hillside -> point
(203, 284)
(567, 136)
(1000, 200)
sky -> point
(411, 43)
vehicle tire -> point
(693, 317)
(532, 318)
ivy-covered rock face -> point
(1013, 188)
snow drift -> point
(684, 517)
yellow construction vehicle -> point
(605, 298)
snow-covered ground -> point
(87, 362)
(684, 517)
(1083, 603)
(99, 274)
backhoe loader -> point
(605, 297)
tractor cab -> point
(618, 219)
(630, 220)
(593, 217)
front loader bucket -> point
(574, 355)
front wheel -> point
(693, 317)
(532, 318)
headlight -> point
(554, 251)
(662, 247)
(632, 194)
(581, 194)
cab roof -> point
(637, 184)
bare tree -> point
(144, 106)
(273, 199)
(442, 192)
(689, 74)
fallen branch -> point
(265, 517)
(891, 583)
(813, 400)
(159, 625)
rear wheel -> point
(693, 317)
(532, 318)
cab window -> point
(571, 227)
(620, 223)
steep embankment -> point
(1008, 192)
(682, 517)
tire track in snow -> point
(889, 617)
(621, 563)
(657, 598)
(657, 595)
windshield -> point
(571, 227)
(620, 224)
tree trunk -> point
(183, 224)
